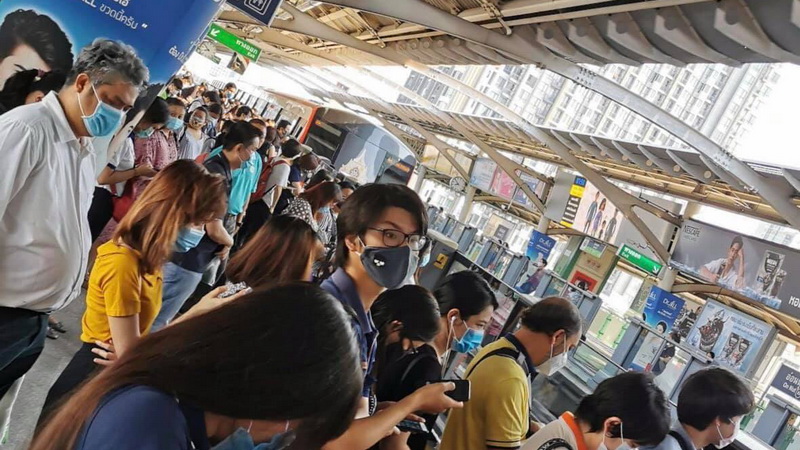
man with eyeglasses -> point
(380, 231)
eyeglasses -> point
(395, 238)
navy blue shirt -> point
(143, 418)
(341, 286)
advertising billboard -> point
(757, 269)
(734, 339)
(488, 177)
(662, 309)
(787, 381)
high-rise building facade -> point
(720, 101)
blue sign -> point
(662, 309)
(540, 246)
(261, 10)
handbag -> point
(123, 203)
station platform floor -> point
(48, 367)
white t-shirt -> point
(278, 177)
(189, 147)
(553, 436)
(124, 159)
(730, 278)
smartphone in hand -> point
(412, 427)
(462, 391)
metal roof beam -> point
(734, 19)
(422, 13)
(673, 26)
(698, 174)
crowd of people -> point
(239, 296)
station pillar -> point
(421, 172)
(469, 199)
(543, 225)
(668, 280)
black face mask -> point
(389, 267)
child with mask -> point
(192, 138)
(497, 415)
(711, 405)
(624, 412)
(381, 228)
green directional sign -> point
(639, 260)
(234, 42)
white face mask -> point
(623, 446)
(554, 363)
(726, 441)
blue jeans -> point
(179, 284)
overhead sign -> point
(735, 339)
(787, 380)
(233, 42)
(261, 10)
(757, 269)
(637, 259)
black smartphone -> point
(412, 427)
(462, 391)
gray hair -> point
(107, 61)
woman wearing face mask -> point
(408, 320)
(121, 168)
(497, 415)
(184, 388)
(158, 148)
(624, 412)
(125, 285)
(380, 229)
(192, 138)
(314, 203)
(283, 250)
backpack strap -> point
(681, 441)
(504, 352)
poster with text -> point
(662, 309)
(534, 185)
(734, 338)
(49, 34)
(757, 269)
(577, 204)
(482, 174)
(539, 248)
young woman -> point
(230, 377)
(29, 86)
(190, 143)
(465, 307)
(283, 250)
(121, 168)
(125, 285)
(380, 229)
(313, 204)
(160, 148)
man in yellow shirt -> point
(497, 414)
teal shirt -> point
(244, 182)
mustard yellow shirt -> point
(119, 288)
(497, 413)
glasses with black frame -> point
(395, 238)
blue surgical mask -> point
(144, 134)
(229, 95)
(426, 258)
(104, 120)
(188, 238)
(325, 209)
(471, 340)
(389, 267)
(241, 440)
(174, 124)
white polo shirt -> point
(46, 185)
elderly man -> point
(46, 184)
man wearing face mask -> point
(711, 405)
(624, 412)
(46, 184)
(497, 415)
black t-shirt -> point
(197, 259)
(403, 374)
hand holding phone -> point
(412, 427)
(462, 391)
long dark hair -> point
(246, 360)
(19, 85)
(322, 194)
(277, 253)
